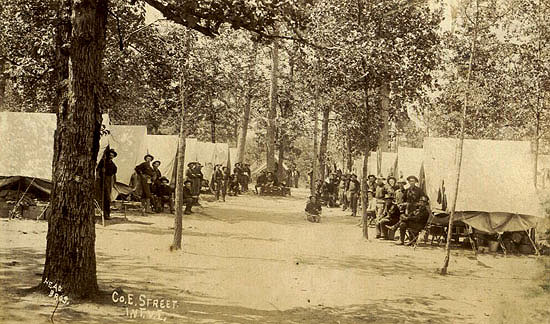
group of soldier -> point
(391, 204)
(224, 183)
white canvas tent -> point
(496, 192)
(259, 167)
(164, 148)
(27, 144)
(233, 155)
(27, 147)
(207, 154)
(409, 162)
(388, 164)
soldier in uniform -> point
(164, 195)
(412, 194)
(217, 182)
(245, 176)
(391, 186)
(414, 222)
(188, 197)
(261, 181)
(313, 210)
(379, 193)
(106, 177)
(145, 174)
(389, 218)
(354, 191)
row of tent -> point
(26, 150)
(496, 192)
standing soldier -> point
(246, 176)
(379, 194)
(217, 182)
(145, 174)
(106, 171)
(354, 190)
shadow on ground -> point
(22, 268)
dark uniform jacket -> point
(392, 213)
(354, 186)
(420, 216)
(413, 194)
(187, 193)
(313, 208)
(261, 180)
(163, 190)
(380, 192)
(145, 169)
(110, 168)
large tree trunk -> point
(245, 118)
(315, 140)
(178, 222)
(384, 139)
(272, 112)
(180, 171)
(3, 81)
(364, 189)
(324, 143)
(213, 128)
(349, 158)
(70, 249)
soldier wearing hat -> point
(188, 197)
(145, 175)
(217, 183)
(413, 222)
(106, 177)
(379, 193)
(158, 174)
(261, 180)
(390, 217)
(194, 174)
(412, 194)
(354, 191)
(391, 185)
(371, 182)
(400, 192)
(245, 178)
(313, 210)
(164, 195)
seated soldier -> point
(414, 222)
(371, 209)
(313, 210)
(164, 195)
(389, 218)
(188, 197)
(260, 182)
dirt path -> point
(256, 260)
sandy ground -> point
(256, 260)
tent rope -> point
(21, 199)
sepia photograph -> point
(275, 161)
